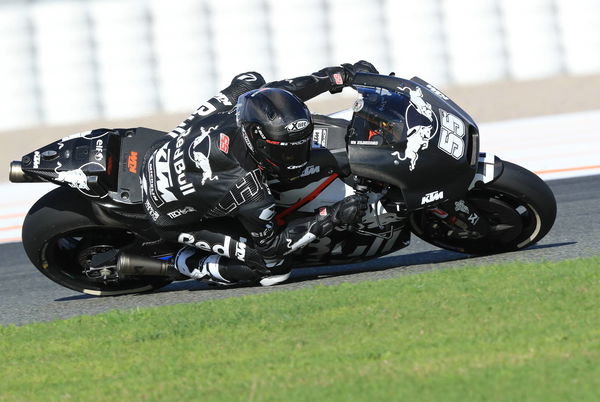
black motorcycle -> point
(410, 148)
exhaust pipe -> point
(17, 175)
(128, 264)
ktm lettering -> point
(431, 197)
(132, 162)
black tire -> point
(518, 199)
(58, 233)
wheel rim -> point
(513, 224)
(66, 257)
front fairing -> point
(434, 158)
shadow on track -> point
(299, 275)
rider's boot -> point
(196, 264)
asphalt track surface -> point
(27, 296)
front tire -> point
(519, 209)
(61, 234)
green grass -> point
(513, 332)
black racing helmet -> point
(277, 127)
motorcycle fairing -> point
(103, 164)
(431, 151)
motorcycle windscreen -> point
(413, 140)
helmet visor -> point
(289, 158)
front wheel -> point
(61, 236)
(515, 211)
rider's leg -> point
(198, 264)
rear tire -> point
(61, 232)
(518, 199)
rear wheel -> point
(61, 236)
(516, 210)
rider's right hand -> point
(350, 210)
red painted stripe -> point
(279, 217)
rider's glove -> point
(350, 210)
(360, 66)
(343, 76)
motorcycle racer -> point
(207, 180)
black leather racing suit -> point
(203, 171)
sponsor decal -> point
(240, 249)
(473, 218)
(265, 234)
(267, 214)
(416, 100)
(77, 178)
(368, 143)
(180, 212)
(258, 131)
(151, 211)
(160, 179)
(74, 178)
(437, 92)
(224, 143)
(297, 125)
(300, 142)
(418, 135)
(132, 160)
(337, 77)
(179, 165)
(320, 138)
(37, 159)
(222, 249)
(244, 190)
(451, 135)
(85, 134)
(98, 151)
(247, 77)
(460, 206)
(431, 197)
(310, 170)
(297, 166)
(205, 109)
(247, 140)
(199, 152)
(223, 99)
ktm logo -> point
(132, 162)
(431, 197)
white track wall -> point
(65, 61)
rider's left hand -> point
(360, 66)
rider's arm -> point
(332, 79)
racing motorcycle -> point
(409, 147)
